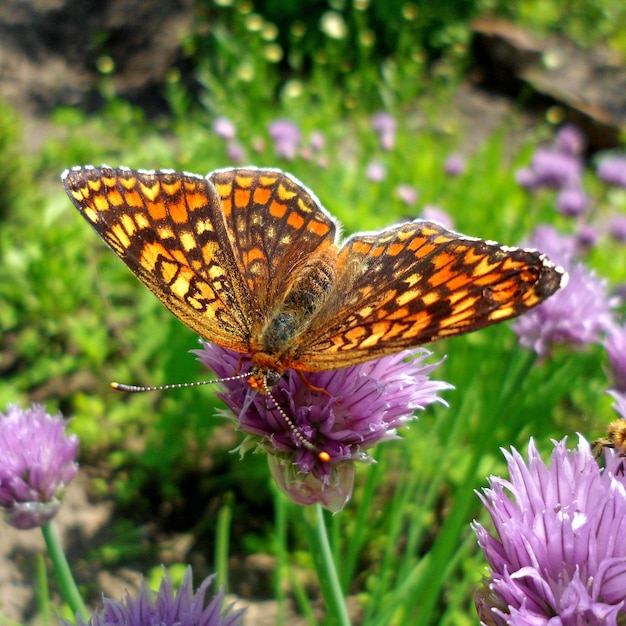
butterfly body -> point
(249, 259)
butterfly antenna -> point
(200, 383)
(322, 455)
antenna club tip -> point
(324, 456)
(119, 386)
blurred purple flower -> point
(586, 237)
(555, 169)
(38, 460)
(617, 228)
(407, 194)
(376, 172)
(526, 178)
(286, 136)
(560, 248)
(612, 170)
(454, 165)
(317, 141)
(577, 314)
(166, 608)
(360, 407)
(235, 152)
(571, 201)
(557, 556)
(570, 140)
(224, 128)
(432, 213)
(615, 346)
(384, 125)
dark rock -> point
(63, 51)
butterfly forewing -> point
(168, 228)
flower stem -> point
(62, 571)
(325, 566)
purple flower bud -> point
(317, 141)
(571, 201)
(376, 172)
(224, 128)
(435, 214)
(360, 407)
(235, 152)
(555, 169)
(556, 557)
(526, 178)
(612, 170)
(385, 126)
(570, 140)
(183, 608)
(617, 228)
(286, 136)
(454, 165)
(407, 194)
(38, 462)
(586, 237)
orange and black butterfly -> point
(250, 260)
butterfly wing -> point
(275, 224)
(167, 227)
(416, 283)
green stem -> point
(62, 572)
(325, 566)
(222, 542)
(42, 590)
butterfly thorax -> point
(279, 338)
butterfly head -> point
(262, 379)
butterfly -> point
(249, 259)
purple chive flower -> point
(407, 194)
(577, 314)
(526, 178)
(166, 607)
(317, 141)
(615, 346)
(360, 407)
(586, 237)
(558, 555)
(555, 169)
(235, 152)
(570, 140)
(224, 128)
(37, 462)
(286, 136)
(612, 170)
(435, 214)
(384, 125)
(376, 172)
(454, 165)
(571, 201)
(617, 228)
